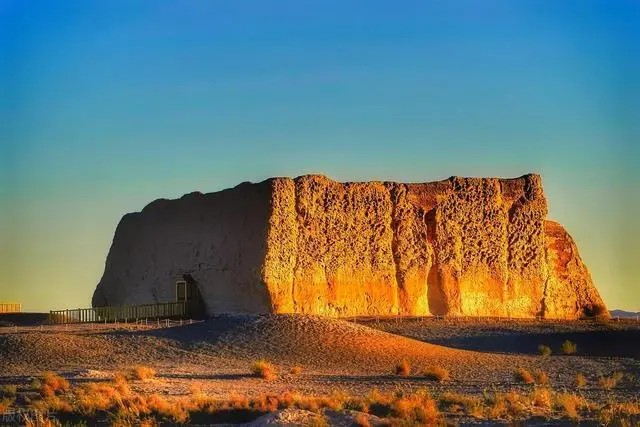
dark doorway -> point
(187, 291)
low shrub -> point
(436, 373)
(541, 398)
(8, 390)
(403, 369)
(610, 382)
(295, 370)
(35, 384)
(471, 405)
(96, 397)
(417, 409)
(544, 350)
(581, 380)
(52, 384)
(523, 375)
(621, 414)
(141, 372)
(361, 420)
(568, 347)
(569, 405)
(5, 403)
(264, 370)
(121, 383)
(541, 377)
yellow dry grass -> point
(141, 372)
(610, 382)
(403, 369)
(264, 370)
(436, 373)
(52, 384)
(568, 347)
(523, 375)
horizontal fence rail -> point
(10, 308)
(119, 314)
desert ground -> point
(334, 360)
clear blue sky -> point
(107, 105)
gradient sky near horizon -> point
(107, 105)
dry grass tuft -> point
(455, 402)
(52, 384)
(544, 350)
(361, 420)
(541, 377)
(5, 403)
(570, 405)
(96, 397)
(8, 390)
(121, 383)
(501, 406)
(541, 398)
(622, 414)
(436, 373)
(264, 370)
(568, 347)
(523, 375)
(141, 372)
(417, 409)
(403, 369)
(35, 384)
(581, 380)
(295, 370)
(609, 383)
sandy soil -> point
(334, 354)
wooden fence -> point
(128, 313)
(10, 308)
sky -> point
(108, 105)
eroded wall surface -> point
(462, 246)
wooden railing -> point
(10, 308)
(127, 313)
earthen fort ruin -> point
(461, 246)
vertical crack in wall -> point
(393, 190)
(296, 196)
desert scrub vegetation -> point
(610, 382)
(8, 390)
(436, 373)
(115, 403)
(570, 405)
(416, 409)
(295, 370)
(361, 420)
(622, 413)
(141, 372)
(5, 403)
(541, 377)
(403, 369)
(537, 377)
(581, 380)
(52, 384)
(458, 403)
(544, 350)
(568, 347)
(524, 376)
(264, 370)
